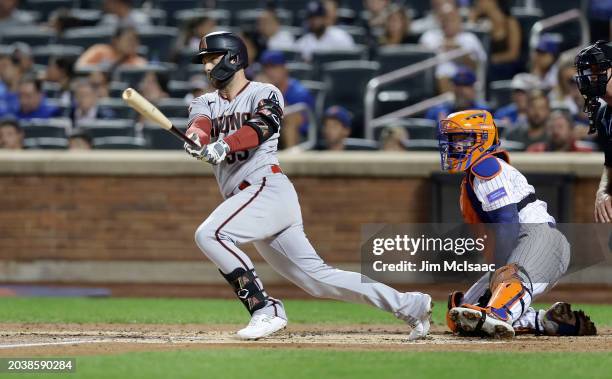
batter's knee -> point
(205, 237)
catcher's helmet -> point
(234, 52)
(592, 64)
(464, 137)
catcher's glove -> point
(560, 320)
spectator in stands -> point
(10, 16)
(60, 70)
(295, 125)
(11, 134)
(450, 37)
(154, 86)
(562, 92)
(516, 113)
(100, 82)
(321, 37)
(393, 138)
(122, 13)
(397, 28)
(10, 74)
(378, 12)
(465, 96)
(271, 35)
(32, 102)
(193, 32)
(505, 37)
(429, 21)
(22, 56)
(534, 130)
(331, 11)
(543, 60)
(79, 140)
(560, 135)
(86, 105)
(336, 127)
(123, 50)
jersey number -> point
(237, 156)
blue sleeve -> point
(507, 229)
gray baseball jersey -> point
(227, 117)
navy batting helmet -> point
(235, 56)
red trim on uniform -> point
(239, 92)
(231, 217)
(245, 138)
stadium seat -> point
(52, 127)
(394, 57)
(42, 54)
(357, 5)
(422, 145)
(359, 34)
(121, 109)
(116, 89)
(360, 144)
(292, 55)
(417, 128)
(87, 36)
(173, 107)
(293, 5)
(79, 17)
(51, 143)
(317, 90)
(234, 6)
(119, 143)
(159, 139)
(337, 76)
(550, 8)
(133, 75)
(319, 58)
(46, 7)
(108, 128)
(300, 70)
(221, 16)
(500, 93)
(158, 17)
(32, 35)
(526, 18)
(159, 40)
(178, 89)
(64, 109)
(247, 18)
(509, 145)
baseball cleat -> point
(421, 327)
(261, 325)
(470, 321)
(560, 320)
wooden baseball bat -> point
(150, 112)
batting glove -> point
(216, 152)
(196, 153)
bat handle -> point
(174, 130)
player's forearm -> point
(605, 185)
(202, 126)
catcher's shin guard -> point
(246, 288)
(510, 293)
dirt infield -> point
(18, 340)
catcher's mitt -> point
(560, 320)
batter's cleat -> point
(477, 321)
(560, 320)
(261, 325)
(420, 328)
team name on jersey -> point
(227, 123)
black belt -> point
(526, 200)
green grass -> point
(207, 311)
(310, 364)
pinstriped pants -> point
(544, 253)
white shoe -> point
(261, 325)
(470, 321)
(422, 325)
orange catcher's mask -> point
(464, 137)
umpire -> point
(594, 71)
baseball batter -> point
(530, 252)
(238, 127)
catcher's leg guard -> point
(510, 293)
(245, 286)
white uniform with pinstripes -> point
(542, 250)
(267, 213)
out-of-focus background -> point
(101, 202)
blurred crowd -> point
(61, 78)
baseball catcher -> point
(237, 128)
(530, 252)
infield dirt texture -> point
(194, 338)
